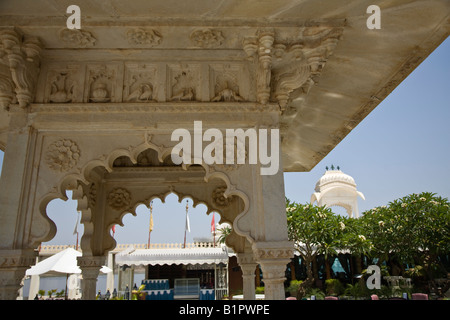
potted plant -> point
(41, 293)
(50, 292)
(60, 294)
(139, 294)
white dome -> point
(336, 188)
(334, 176)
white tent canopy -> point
(186, 256)
(63, 262)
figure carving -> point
(101, 80)
(219, 198)
(61, 89)
(140, 82)
(143, 93)
(182, 90)
(227, 95)
(119, 198)
(100, 93)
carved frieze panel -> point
(140, 82)
(227, 82)
(184, 82)
(103, 83)
(64, 84)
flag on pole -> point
(213, 224)
(113, 229)
(188, 227)
(150, 225)
(75, 231)
(150, 228)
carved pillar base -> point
(90, 268)
(248, 267)
(273, 258)
(13, 264)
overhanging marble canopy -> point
(363, 68)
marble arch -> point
(95, 243)
(207, 182)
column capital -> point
(277, 250)
(248, 266)
(273, 256)
(245, 258)
(13, 265)
(91, 262)
(90, 268)
(11, 258)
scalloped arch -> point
(72, 182)
(162, 197)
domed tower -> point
(336, 188)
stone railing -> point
(53, 249)
(121, 247)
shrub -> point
(259, 290)
(293, 287)
(334, 287)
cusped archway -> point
(112, 186)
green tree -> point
(314, 230)
(354, 237)
(413, 229)
(224, 232)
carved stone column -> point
(248, 267)
(273, 258)
(90, 268)
(13, 264)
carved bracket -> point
(284, 65)
(21, 54)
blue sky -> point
(401, 147)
